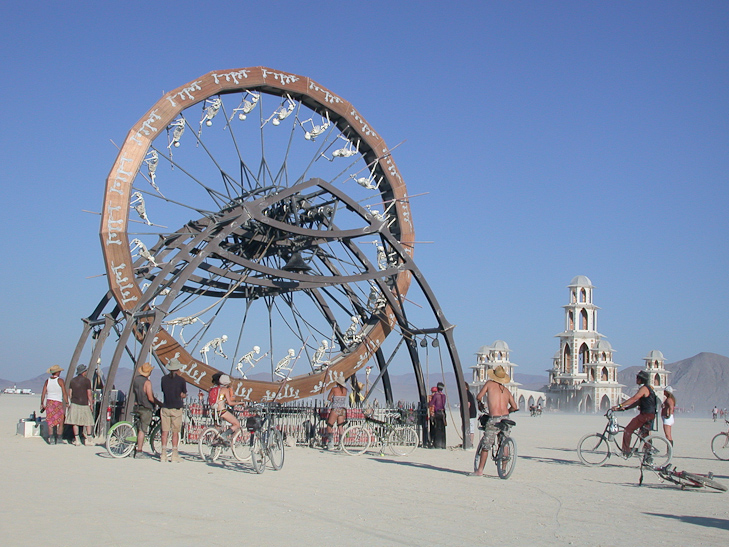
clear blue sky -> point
(553, 139)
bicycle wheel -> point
(241, 445)
(402, 441)
(355, 440)
(720, 446)
(506, 458)
(656, 451)
(258, 454)
(155, 438)
(703, 480)
(210, 444)
(477, 457)
(593, 449)
(121, 439)
(275, 449)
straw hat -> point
(174, 364)
(498, 375)
(224, 380)
(145, 369)
(340, 381)
(54, 369)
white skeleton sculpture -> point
(316, 130)
(370, 183)
(283, 364)
(178, 128)
(217, 345)
(351, 337)
(376, 300)
(246, 107)
(347, 151)
(143, 252)
(319, 361)
(137, 203)
(248, 358)
(152, 160)
(282, 112)
(209, 112)
(376, 213)
(163, 292)
(182, 322)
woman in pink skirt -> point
(53, 403)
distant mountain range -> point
(700, 382)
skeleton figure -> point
(163, 292)
(209, 112)
(183, 322)
(217, 345)
(319, 363)
(283, 364)
(315, 130)
(282, 112)
(152, 160)
(248, 358)
(178, 128)
(351, 337)
(376, 300)
(143, 252)
(246, 107)
(376, 213)
(368, 182)
(137, 203)
(347, 151)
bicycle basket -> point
(254, 423)
(613, 427)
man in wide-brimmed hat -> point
(81, 404)
(500, 404)
(144, 403)
(175, 391)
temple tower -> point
(654, 362)
(490, 357)
(583, 376)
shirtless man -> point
(500, 403)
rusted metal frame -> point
(109, 322)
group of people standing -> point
(71, 405)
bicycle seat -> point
(505, 424)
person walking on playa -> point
(144, 403)
(667, 413)
(174, 389)
(80, 407)
(714, 412)
(338, 409)
(646, 400)
(437, 408)
(53, 403)
(500, 403)
(472, 413)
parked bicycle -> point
(503, 451)
(315, 431)
(121, 439)
(720, 444)
(684, 479)
(214, 440)
(653, 449)
(395, 434)
(266, 441)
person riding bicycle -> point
(224, 403)
(500, 404)
(646, 400)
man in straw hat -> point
(500, 404)
(145, 402)
(80, 408)
(53, 402)
(175, 391)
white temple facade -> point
(490, 357)
(654, 362)
(583, 377)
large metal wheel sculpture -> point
(254, 221)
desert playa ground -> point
(67, 495)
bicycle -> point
(503, 451)
(121, 439)
(401, 439)
(315, 431)
(594, 449)
(213, 441)
(684, 479)
(720, 444)
(266, 441)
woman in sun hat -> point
(337, 409)
(53, 403)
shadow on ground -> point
(709, 522)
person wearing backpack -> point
(646, 400)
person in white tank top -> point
(53, 403)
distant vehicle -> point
(18, 391)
